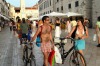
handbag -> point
(51, 58)
(94, 37)
(58, 58)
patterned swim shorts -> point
(46, 47)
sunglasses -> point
(47, 20)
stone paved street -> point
(11, 51)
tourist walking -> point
(24, 28)
(86, 22)
(68, 26)
(19, 30)
(58, 28)
(98, 31)
(10, 25)
(14, 27)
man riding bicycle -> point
(24, 29)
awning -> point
(55, 14)
(4, 17)
(69, 14)
(33, 18)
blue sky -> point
(28, 3)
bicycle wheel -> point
(25, 56)
(32, 60)
(77, 59)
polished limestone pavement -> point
(11, 50)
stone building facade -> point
(95, 10)
(24, 12)
(4, 8)
(79, 6)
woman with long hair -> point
(58, 28)
(80, 35)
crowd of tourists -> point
(77, 26)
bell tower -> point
(22, 6)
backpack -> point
(38, 39)
(74, 32)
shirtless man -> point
(46, 38)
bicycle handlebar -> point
(67, 38)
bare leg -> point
(81, 52)
(98, 40)
(45, 58)
(81, 57)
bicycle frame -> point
(76, 57)
(28, 56)
(26, 49)
(65, 54)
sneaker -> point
(98, 45)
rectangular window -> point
(57, 9)
(50, 11)
(76, 4)
(50, 2)
(44, 5)
(3, 0)
(62, 8)
(57, 0)
(69, 6)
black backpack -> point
(73, 34)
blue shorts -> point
(80, 44)
(24, 35)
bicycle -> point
(76, 58)
(28, 58)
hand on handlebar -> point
(67, 36)
(52, 47)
